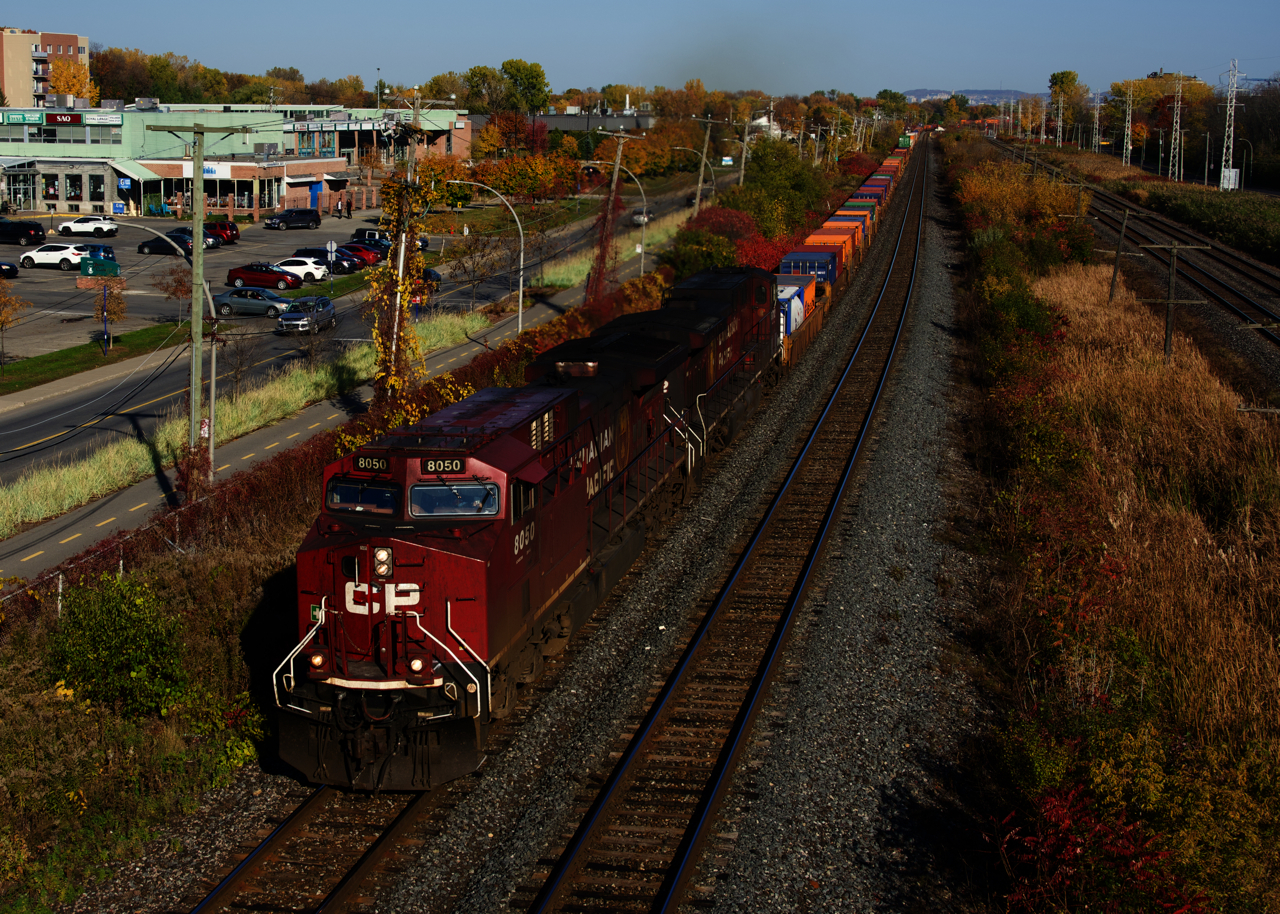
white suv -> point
(308, 269)
(97, 226)
(64, 256)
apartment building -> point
(26, 57)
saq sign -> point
(212, 170)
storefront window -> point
(75, 187)
(97, 188)
(50, 186)
(22, 189)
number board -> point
(372, 464)
(436, 465)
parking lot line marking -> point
(246, 456)
(68, 539)
(294, 435)
(309, 427)
(136, 507)
(105, 522)
(34, 554)
(221, 468)
(271, 445)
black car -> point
(294, 218)
(156, 246)
(8, 270)
(342, 263)
(708, 191)
(23, 233)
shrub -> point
(115, 644)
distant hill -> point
(975, 96)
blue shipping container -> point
(791, 306)
(822, 266)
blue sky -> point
(777, 47)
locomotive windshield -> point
(368, 497)
(465, 498)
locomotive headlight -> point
(317, 660)
(382, 569)
(416, 664)
(382, 561)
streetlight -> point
(704, 161)
(520, 229)
(644, 201)
(379, 88)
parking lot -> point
(62, 315)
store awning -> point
(131, 169)
(340, 175)
(300, 179)
(16, 163)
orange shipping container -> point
(855, 227)
(841, 238)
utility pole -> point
(742, 166)
(197, 255)
(706, 143)
(271, 100)
(1128, 124)
(1175, 138)
(1044, 116)
(1169, 302)
(1229, 138)
(1097, 119)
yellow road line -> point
(34, 554)
(221, 468)
(136, 507)
(294, 435)
(105, 522)
(334, 416)
(246, 456)
(271, 445)
(68, 539)
(309, 427)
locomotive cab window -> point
(468, 499)
(524, 498)
(363, 497)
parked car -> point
(294, 218)
(366, 256)
(65, 257)
(226, 231)
(250, 301)
(156, 246)
(8, 270)
(432, 279)
(364, 234)
(25, 233)
(98, 226)
(309, 314)
(377, 252)
(210, 240)
(102, 251)
(262, 275)
(641, 215)
(308, 269)
(342, 263)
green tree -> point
(529, 86)
(892, 102)
(487, 90)
(444, 85)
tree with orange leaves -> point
(70, 77)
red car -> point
(378, 253)
(228, 232)
(264, 275)
(366, 256)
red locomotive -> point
(452, 556)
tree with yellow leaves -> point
(70, 77)
(112, 302)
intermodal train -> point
(452, 556)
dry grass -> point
(1191, 490)
(1106, 168)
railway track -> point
(642, 831)
(1211, 269)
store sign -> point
(103, 117)
(62, 118)
(125, 183)
(23, 117)
(212, 170)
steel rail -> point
(676, 881)
(224, 891)
(569, 859)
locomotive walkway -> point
(47, 545)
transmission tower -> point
(1175, 141)
(1128, 124)
(1019, 120)
(1044, 113)
(1228, 141)
(1059, 140)
(1097, 120)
